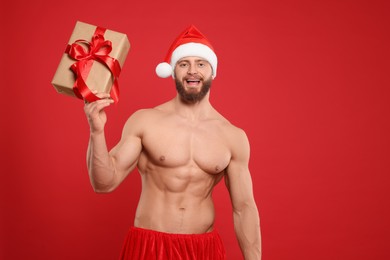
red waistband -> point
(150, 231)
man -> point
(182, 149)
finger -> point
(98, 105)
(102, 104)
(102, 95)
(104, 98)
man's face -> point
(193, 76)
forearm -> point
(247, 228)
(100, 164)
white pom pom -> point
(164, 70)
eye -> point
(182, 65)
(201, 65)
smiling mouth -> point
(193, 82)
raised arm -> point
(245, 214)
(108, 169)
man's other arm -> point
(245, 214)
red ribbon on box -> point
(97, 50)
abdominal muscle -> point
(176, 200)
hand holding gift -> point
(95, 112)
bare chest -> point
(177, 145)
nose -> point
(192, 70)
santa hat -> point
(191, 42)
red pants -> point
(143, 244)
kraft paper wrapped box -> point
(96, 75)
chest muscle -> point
(183, 145)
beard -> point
(193, 97)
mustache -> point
(193, 77)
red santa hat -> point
(191, 42)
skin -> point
(182, 149)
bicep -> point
(238, 179)
(126, 153)
(239, 184)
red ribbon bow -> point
(97, 50)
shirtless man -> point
(182, 149)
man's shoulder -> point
(144, 117)
(236, 137)
(141, 117)
(145, 112)
(235, 131)
(233, 134)
(229, 127)
(158, 110)
(141, 120)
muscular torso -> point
(180, 163)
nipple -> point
(162, 158)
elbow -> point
(103, 182)
(102, 189)
(245, 206)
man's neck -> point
(193, 111)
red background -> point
(307, 80)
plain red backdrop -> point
(307, 80)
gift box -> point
(92, 60)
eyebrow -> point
(198, 60)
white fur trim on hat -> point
(197, 50)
